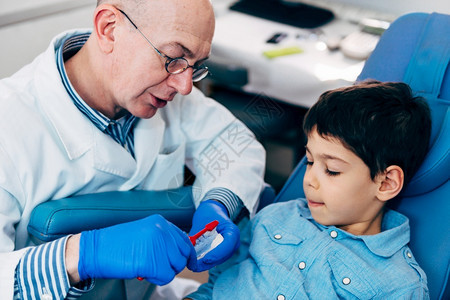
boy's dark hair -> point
(381, 122)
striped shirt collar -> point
(120, 130)
(67, 49)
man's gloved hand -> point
(207, 212)
(152, 248)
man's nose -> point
(182, 82)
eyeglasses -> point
(175, 65)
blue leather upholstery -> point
(54, 219)
(416, 50)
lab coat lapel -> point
(148, 137)
(72, 128)
(111, 157)
(79, 135)
(75, 131)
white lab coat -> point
(49, 150)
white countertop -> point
(297, 79)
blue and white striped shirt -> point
(41, 271)
(120, 130)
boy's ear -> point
(390, 183)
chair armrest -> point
(57, 218)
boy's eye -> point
(308, 163)
(332, 173)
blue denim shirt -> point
(285, 254)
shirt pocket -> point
(272, 245)
(350, 279)
(167, 171)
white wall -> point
(402, 6)
(27, 27)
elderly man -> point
(115, 109)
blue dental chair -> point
(416, 50)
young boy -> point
(365, 142)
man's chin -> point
(145, 113)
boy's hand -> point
(208, 211)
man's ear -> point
(105, 18)
(390, 183)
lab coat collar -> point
(79, 135)
(72, 127)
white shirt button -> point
(346, 280)
(302, 265)
(45, 295)
(281, 297)
(277, 236)
(334, 234)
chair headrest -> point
(435, 170)
(416, 49)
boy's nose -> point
(310, 180)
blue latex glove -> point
(207, 212)
(151, 248)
